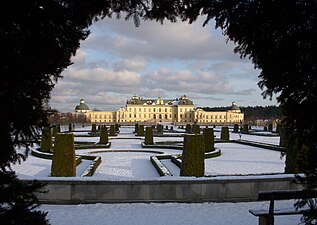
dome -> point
(81, 106)
(234, 106)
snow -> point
(235, 159)
(167, 213)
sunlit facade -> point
(178, 111)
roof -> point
(82, 105)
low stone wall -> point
(217, 189)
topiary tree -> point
(117, 127)
(136, 127)
(193, 157)
(224, 135)
(209, 139)
(148, 136)
(172, 128)
(188, 128)
(236, 128)
(270, 127)
(112, 130)
(246, 128)
(70, 127)
(64, 159)
(140, 130)
(46, 140)
(159, 128)
(196, 129)
(56, 129)
(103, 135)
(93, 128)
(265, 128)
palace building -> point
(178, 111)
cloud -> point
(152, 40)
(118, 60)
(135, 65)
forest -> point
(252, 113)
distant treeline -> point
(252, 113)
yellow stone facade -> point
(177, 111)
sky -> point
(119, 60)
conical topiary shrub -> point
(103, 135)
(140, 130)
(148, 136)
(46, 140)
(193, 157)
(64, 159)
(209, 139)
(224, 135)
(265, 128)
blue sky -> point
(118, 60)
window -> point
(181, 110)
(159, 109)
(144, 110)
(149, 109)
(165, 109)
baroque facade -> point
(177, 111)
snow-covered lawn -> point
(159, 214)
(235, 159)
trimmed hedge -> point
(64, 159)
(56, 129)
(246, 128)
(112, 130)
(188, 128)
(140, 130)
(148, 136)
(103, 135)
(46, 140)
(93, 128)
(209, 139)
(193, 158)
(196, 129)
(224, 133)
(236, 128)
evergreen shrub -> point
(188, 128)
(224, 133)
(209, 139)
(148, 136)
(93, 128)
(112, 130)
(236, 128)
(46, 140)
(246, 128)
(141, 130)
(64, 159)
(103, 135)
(193, 157)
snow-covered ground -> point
(235, 159)
(167, 213)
